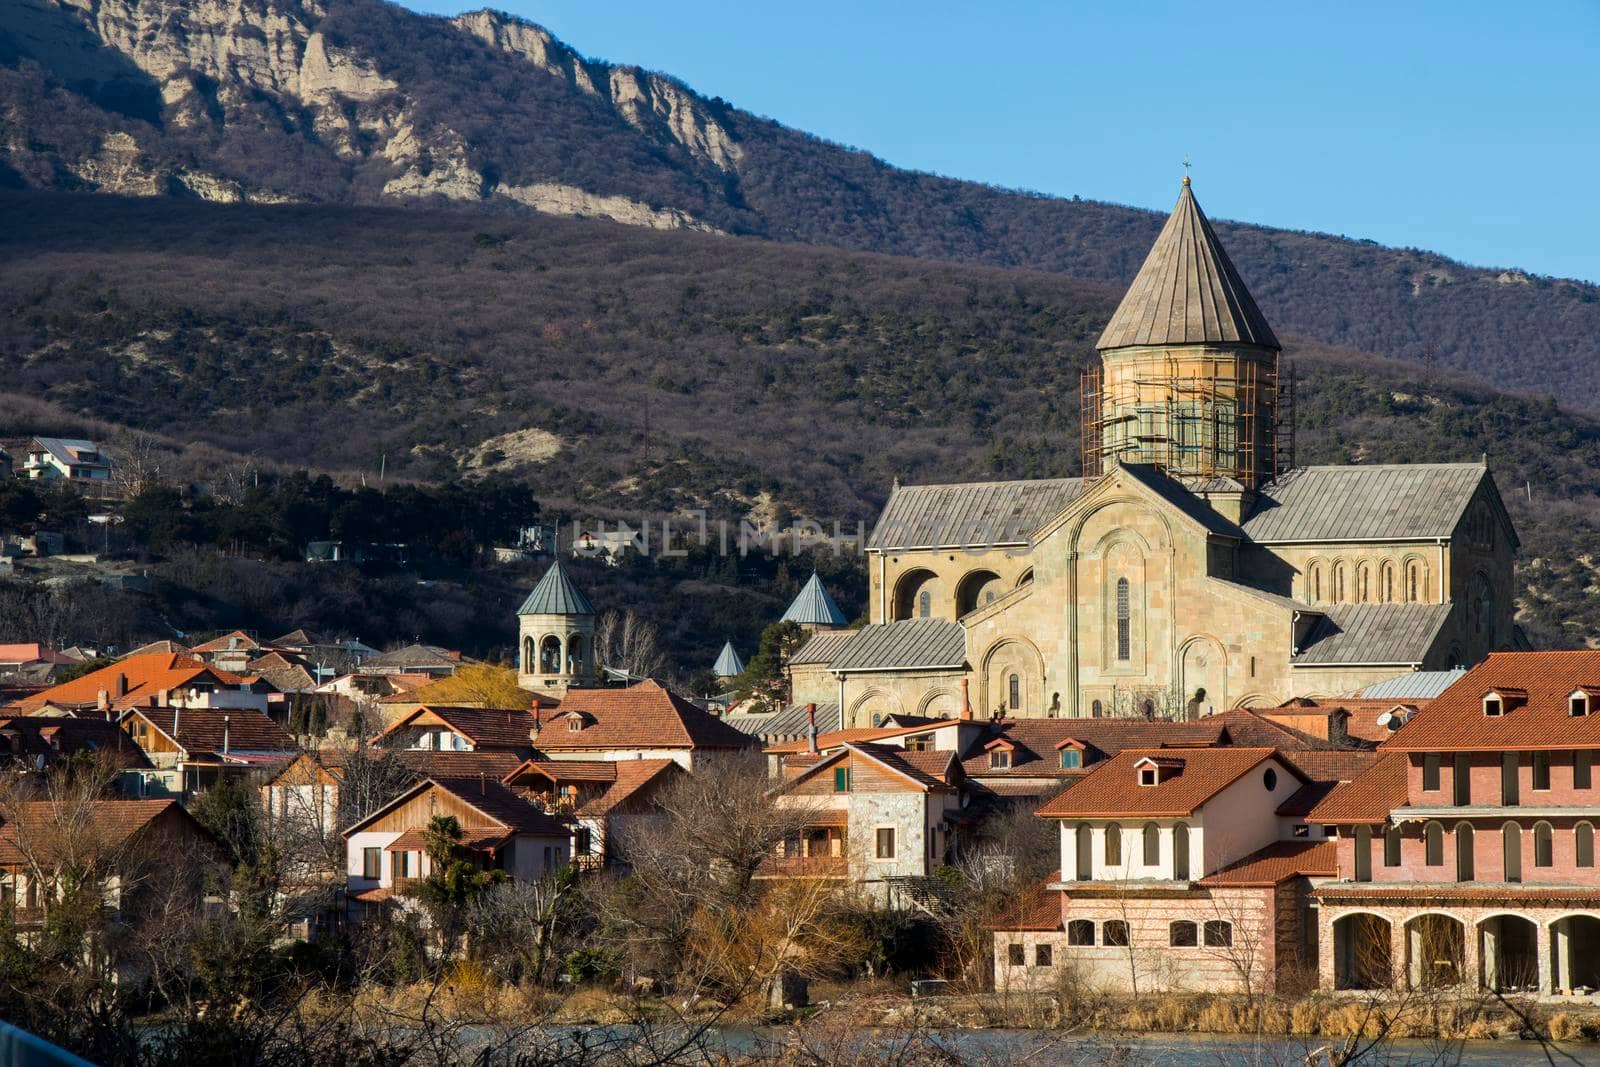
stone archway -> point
(1436, 950)
(1012, 680)
(1508, 948)
(1362, 951)
(978, 589)
(1575, 952)
(920, 594)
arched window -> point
(924, 604)
(1363, 583)
(527, 655)
(1124, 622)
(1183, 934)
(1391, 846)
(1338, 583)
(1464, 864)
(1416, 582)
(1084, 841)
(1180, 852)
(1095, 709)
(1113, 845)
(550, 655)
(1363, 853)
(1511, 846)
(1386, 584)
(1014, 692)
(1314, 583)
(1433, 845)
(1543, 845)
(1152, 845)
(1583, 843)
(575, 654)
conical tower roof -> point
(814, 607)
(556, 595)
(728, 662)
(1187, 292)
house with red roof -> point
(882, 817)
(151, 680)
(386, 851)
(643, 721)
(602, 799)
(1466, 854)
(1181, 868)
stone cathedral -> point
(1193, 567)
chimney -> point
(121, 684)
(966, 700)
(811, 728)
(103, 701)
(176, 708)
(533, 734)
(225, 735)
(483, 783)
(163, 698)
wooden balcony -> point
(805, 867)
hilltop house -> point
(82, 463)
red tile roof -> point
(487, 795)
(1367, 798)
(1454, 721)
(484, 727)
(634, 778)
(24, 736)
(1279, 862)
(1507, 893)
(113, 823)
(202, 730)
(1112, 789)
(1038, 910)
(642, 716)
(142, 680)
(237, 640)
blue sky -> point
(1470, 128)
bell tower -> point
(555, 627)
(1189, 378)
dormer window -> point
(1149, 776)
(574, 724)
(1071, 759)
(1000, 759)
(1578, 704)
(1497, 702)
(1153, 770)
(1493, 706)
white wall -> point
(355, 844)
(1243, 817)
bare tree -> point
(625, 641)
(135, 463)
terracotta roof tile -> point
(484, 727)
(1367, 798)
(646, 715)
(112, 822)
(23, 736)
(633, 778)
(204, 730)
(1454, 720)
(1279, 862)
(1038, 910)
(1112, 790)
(142, 680)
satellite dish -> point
(1386, 719)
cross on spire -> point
(1186, 166)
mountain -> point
(630, 372)
(359, 102)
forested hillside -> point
(363, 102)
(625, 372)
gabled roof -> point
(971, 514)
(414, 656)
(142, 680)
(728, 662)
(1277, 863)
(1372, 634)
(68, 451)
(23, 737)
(202, 730)
(925, 770)
(228, 642)
(300, 638)
(1367, 798)
(485, 727)
(1377, 502)
(500, 806)
(167, 647)
(832, 739)
(647, 715)
(1454, 720)
(112, 823)
(1112, 789)
(908, 644)
(1185, 502)
(815, 606)
(1187, 292)
(623, 780)
(556, 595)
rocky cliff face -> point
(177, 80)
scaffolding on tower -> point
(1196, 417)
